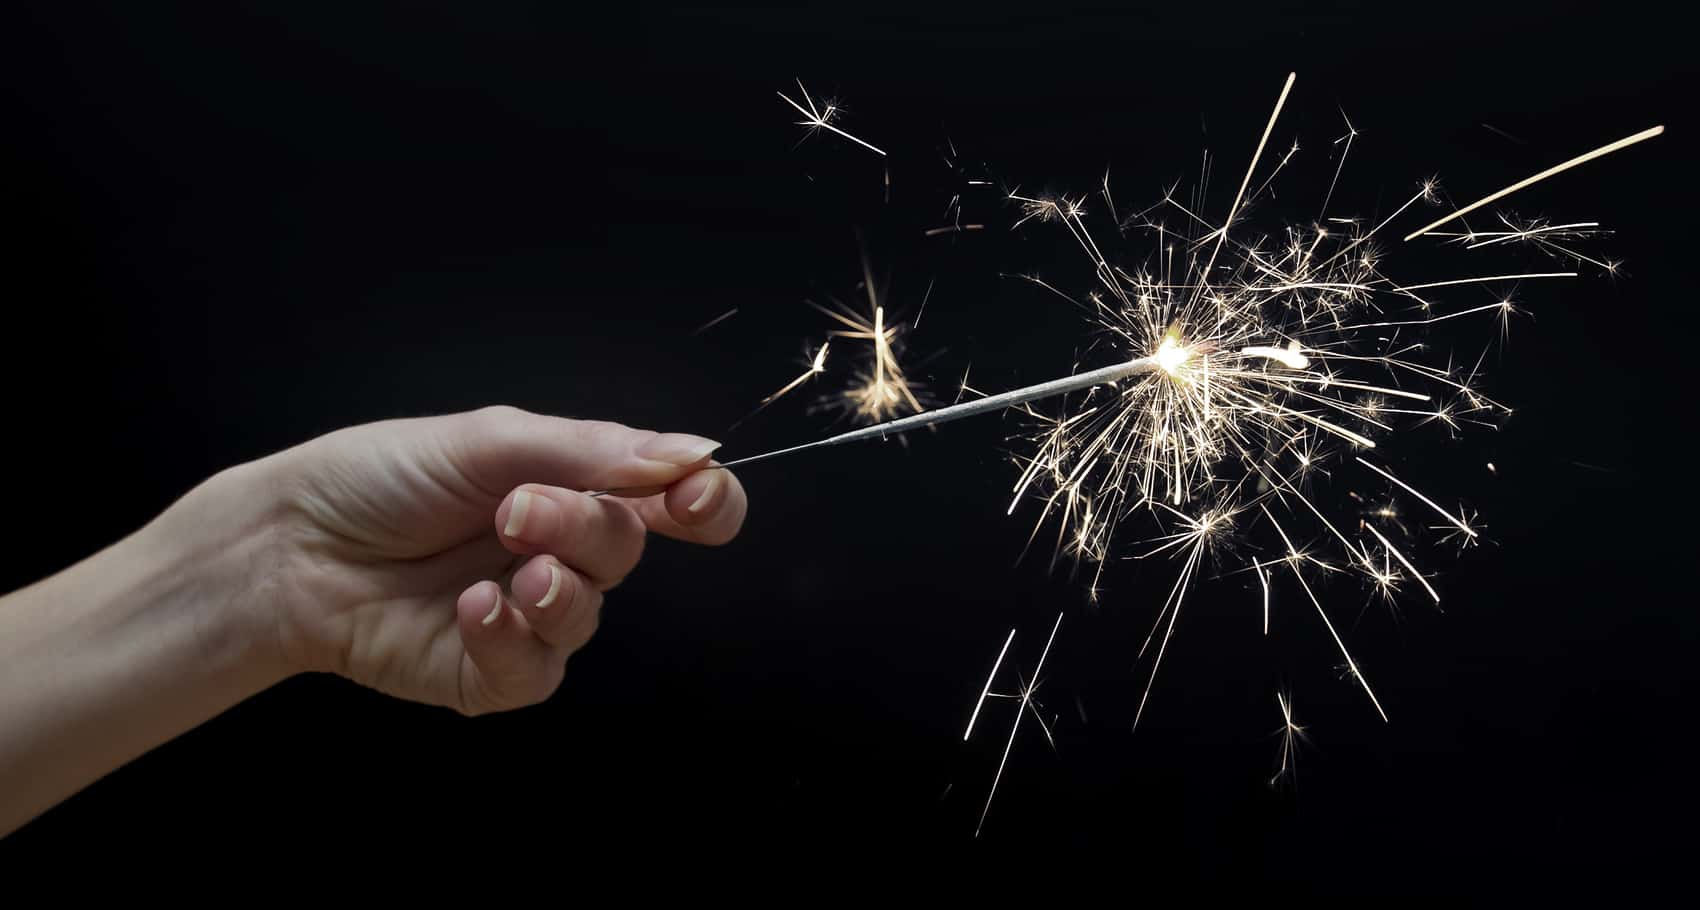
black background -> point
(236, 226)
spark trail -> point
(821, 118)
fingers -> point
(707, 507)
(500, 448)
(599, 537)
(517, 643)
(561, 606)
(506, 666)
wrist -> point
(131, 647)
(208, 568)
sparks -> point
(1024, 695)
(1291, 735)
(1280, 354)
(988, 689)
(816, 367)
(716, 321)
(820, 118)
(1530, 181)
(1250, 371)
(881, 389)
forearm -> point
(123, 651)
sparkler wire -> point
(990, 403)
(998, 402)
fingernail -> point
(678, 449)
(710, 493)
(554, 587)
(495, 612)
(516, 515)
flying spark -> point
(1024, 694)
(880, 389)
(1549, 172)
(817, 366)
(716, 321)
(1291, 735)
(820, 118)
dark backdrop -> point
(239, 225)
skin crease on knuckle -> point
(479, 439)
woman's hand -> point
(456, 561)
(459, 561)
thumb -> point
(501, 447)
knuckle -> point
(498, 420)
(501, 412)
(487, 434)
(606, 434)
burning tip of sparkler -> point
(1172, 355)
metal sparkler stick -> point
(966, 409)
(969, 408)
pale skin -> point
(457, 561)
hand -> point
(459, 561)
(456, 561)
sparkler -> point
(1242, 378)
(978, 406)
(1236, 381)
(1272, 363)
(1255, 370)
(1242, 368)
